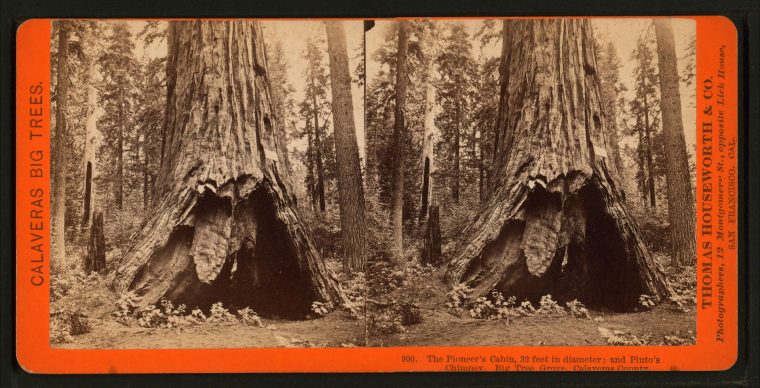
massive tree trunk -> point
(224, 227)
(680, 196)
(350, 187)
(58, 245)
(428, 159)
(399, 134)
(555, 222)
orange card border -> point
(35, 354)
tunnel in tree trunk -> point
(224, 226)
(556, 221)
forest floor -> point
(663, 325)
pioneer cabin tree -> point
(555, 222)
(680, 195)
(350, 187)
(224, 227)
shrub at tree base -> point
(66, 324)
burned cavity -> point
(571, 248)
(261, 270)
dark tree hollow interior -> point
(589, 259)
(263, 273)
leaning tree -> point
(556, 221)
(224, 225)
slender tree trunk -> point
(119, 192)
(643, 164)
(88, 203)
(555, 222)
(456, 172)
(399, 133)
(350, 187)
(680, 196)
(481, 171)
(145, 172)
(311, 174)
(96, 250)
(224, 228)
(431, 251)
(428, 146)
(59, 148)
(648, 153)
(320, 184)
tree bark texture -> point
(88, 200)
(680, 195)
(431, 251)
(350, 187)
(96, 250)
(224, 227)
(320, 183)
(59, 148)
(428, 140)
(399, 130)
(555, 222)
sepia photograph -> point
(258, 183)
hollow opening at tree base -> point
(593, 258)
(264, 272)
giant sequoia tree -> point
(350, 187)
(555, 221)
(223, 226)
(680, 196)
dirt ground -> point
(438, 328)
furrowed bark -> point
(555, 222)
(224, 226)
(680, 195)
(350, 187)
